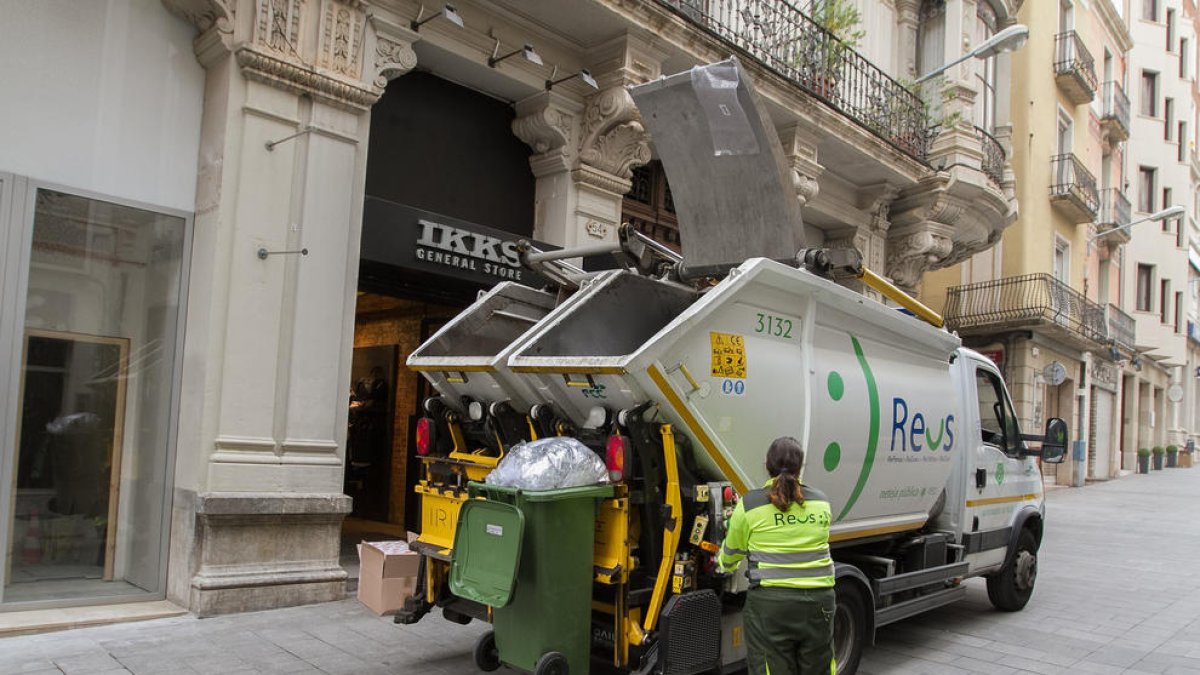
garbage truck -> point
(677, 371)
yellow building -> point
(1045, 301)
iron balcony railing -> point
(1072, 58)
(994, 156)
(780, 36)
(1122, 328)
(1116, 105)
(1073, 180)
(1021, 301)
(1115, 209)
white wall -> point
(101, 95)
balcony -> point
(1074, 68)
(1074, 189)
(1115, 118)
(1122, 328)
(994, 156)
(785, 40)
(1037, 301)
(1115, 211)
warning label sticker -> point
(728, 355)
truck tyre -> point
(1011, 587)
(849, 627)
(552, 663)
(487, 656)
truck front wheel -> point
(849, 627)
(1011, 587)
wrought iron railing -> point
(1072, 58)
(1116, 104)
(994, 156)
(1072, 179)
(1115, 209)
(1122, 328)
(1024, 300)
(779, 35)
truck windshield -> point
(998, 424)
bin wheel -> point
(552, 663)
(487, 656)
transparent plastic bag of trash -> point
(549, 463)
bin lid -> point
(487, 552)
(514, 495)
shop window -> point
(95, 405)
(649, 207)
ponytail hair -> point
(785, 458)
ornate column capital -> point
(920, 238)
(393, 53)
(800, 152)
(204, 14)
(548, 123)
(613, 139)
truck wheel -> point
(1011, 587)
(849, 628)
(552, 663)
(487, 656)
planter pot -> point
(1158, 462)
(1143, 465)
(1171, 464)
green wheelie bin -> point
(528, 555)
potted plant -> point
(841, 21)
(1172, 453)
(1158, 451)
(1143, 465)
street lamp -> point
(1007, 40)
(1172, 212)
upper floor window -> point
(1145, 287)
(985, 69)
(1170, 30)
(1146, 189)
(1149, 94)
(931, 35)
(1150, 10)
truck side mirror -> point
(1054, 442)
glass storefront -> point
(88, 464)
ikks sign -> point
(420, 240)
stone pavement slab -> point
(1117, 592)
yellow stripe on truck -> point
(1000, 500)
(697, 430)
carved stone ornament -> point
(547, 129)
(392, 59)
(277, 25)
(341, 37)
(288, 75)
(910, 255)
(204, 14)
(614, 140)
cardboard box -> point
(387, 574)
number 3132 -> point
(773, 325)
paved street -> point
(1117, 592)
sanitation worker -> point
(784, 531)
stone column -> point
(258, 492)
(549, 123)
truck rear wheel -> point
(849, 627)
(1011, 587)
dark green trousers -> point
(789, 631)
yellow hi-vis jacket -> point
(786, 549)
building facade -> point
(1045, 303)
(222, 239)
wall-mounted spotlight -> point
(583, 74)
(527, 52)
(448, 12)
(1136, 362)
